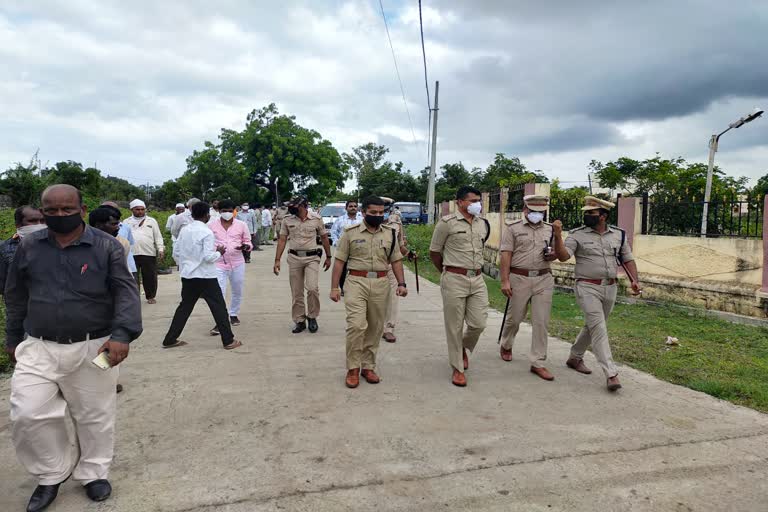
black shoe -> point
(312, 325)
(215, 331)
(98, 490)
(42, 497)
(234, 320)
(119, 388)
(300, 326)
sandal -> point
(178, 343)
(151, 301)
(233, 345)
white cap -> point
(136, 203)
(179, 205)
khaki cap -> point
(387, 200)
(536, 203)
(593, 203)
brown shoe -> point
(466, 359)
(233, 345)
(614, 384)
(389, 337)
(353, 378)
(459, 379)
(370, 376)
(542, 372)
(578, 365)
(506, 354)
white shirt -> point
(342, 222)
(147, 236)
(178, 223)
(266, 218)
(195, 252)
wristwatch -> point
(402, 284)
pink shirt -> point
(231, 238)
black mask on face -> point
(293, 210)
(374, 220)
(64, 225)
(591, 220)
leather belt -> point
(376, 274)
(304, 254)
(599, 282)
(529, 273)
(464, 271)
(74, 338)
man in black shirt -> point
(70, 290)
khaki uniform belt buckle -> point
(533, 273)
(372, 275)
(471, 273)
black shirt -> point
(7, 252)
(83, 288)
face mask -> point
(227, 216)
(386, 216)
(374, 220)
(64, 225)
(535, 217)
(591, 220)
(245, 208)
(475, 208)
(293, 210)
(28, 230)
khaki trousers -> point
(536, 291)
(366, 301)
(465, 299)
(304, 273)
(597, 303)
(50, 380)
(393, 311)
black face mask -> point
(293, 210)
(374, 220)
(64, 225)
(591, 220)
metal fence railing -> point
(494, 201)
(515, 197)
(735, 217)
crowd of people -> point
(72, 295)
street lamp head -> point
(747, 119)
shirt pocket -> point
(88, 280)
(524, 242)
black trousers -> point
(343, 278)
(193, 290)
(146, 267)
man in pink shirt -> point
(233, 234)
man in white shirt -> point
(266, 225)
(184, 219)
(197, 256)
(148, 249)
(180, 209)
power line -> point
(424, 57)
(397, 70)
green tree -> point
(761, 188)
(72, 173)
(23, 184)
(508, 172)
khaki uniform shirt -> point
(363, 250)
(396, 223)
(527, 242)
(460, 241)
(595, 253)
(280, 213)
(302, 236)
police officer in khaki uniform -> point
(457, 252)
(597, 248)
(526, 278)
(301, 230)
(394, 221)
(280, 214)
(369, 249)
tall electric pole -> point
(433, 163)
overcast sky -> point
(136, 86)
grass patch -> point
(723, 359)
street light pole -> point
(433, 163)
(713, 144)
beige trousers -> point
(536, 291)
(465, 299)
(49, 380)
(394, 304)
(597, 303)
(304, 273)
(366, 301)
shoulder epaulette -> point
(347, 228)
(578, 229)
(509, 222)
(446, 218)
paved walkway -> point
(272, 427)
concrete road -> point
(271, 426)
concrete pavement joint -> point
(480, 467)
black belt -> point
(68, 339)
(304, 254)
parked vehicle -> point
(411, 213)
(331, 212)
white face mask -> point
(535, 217)
(475, 208)
(32, 228)
(227, 216)
(245, 208)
